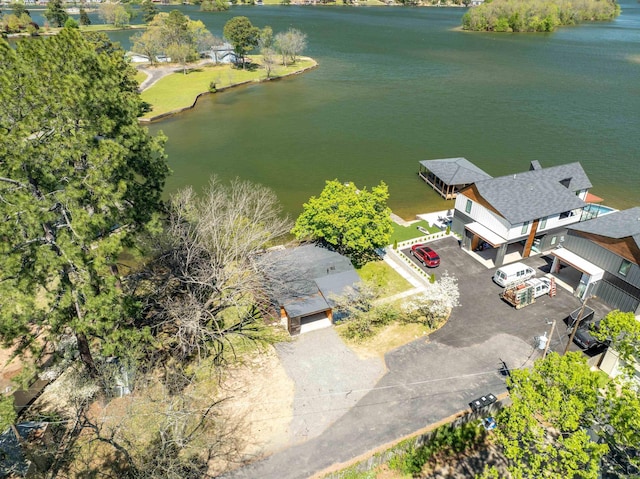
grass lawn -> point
(140, 77)
(404, 233)
(107, 27)
(177, 91)
(383, 276)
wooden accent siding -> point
(625, 247)
(473, 194)
(532, 236)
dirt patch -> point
(388, 338)
(10, 367)
(260, 401)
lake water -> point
(399, 85)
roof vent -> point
(535, 165)
(565, 182)
(514, 176)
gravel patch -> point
(329, 379)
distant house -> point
(304, 281)
(221, 54)
(525, 212)
(449, 175)
(136, 57)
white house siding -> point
(482, 215)
(502, 227)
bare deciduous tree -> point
(290, 44)
(205, 282)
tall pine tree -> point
(78, 177)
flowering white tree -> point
(434, 305)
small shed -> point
(304, 281)
(449, 175)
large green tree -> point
(55, 13)
(544, 432)
(354, 221)
(78, 177)
(175, 33)
(148, 10)
(622, 332)
(242, 35)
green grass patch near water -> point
(404, 233)
(384, 277)
(178, 91)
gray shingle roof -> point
(535, 194)
(618, 225)
(306, 305)
(302, 275)
(337, 284)
(455, 171)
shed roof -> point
(618, 225)
(455, 171)
(306, 305)
(536, 193)
(306, 276)
(337, 284)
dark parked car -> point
(425, 255)
(583, 337)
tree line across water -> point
(536, 15)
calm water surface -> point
(398, 85)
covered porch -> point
(576, 272)
(449, 175)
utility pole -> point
(546, 348)
(577, 325)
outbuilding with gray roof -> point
(449, 175)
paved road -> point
(430, 380)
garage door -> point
(314, 321)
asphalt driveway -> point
(429, 380)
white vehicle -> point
(541, 286)
(513, 273)
(524, 293)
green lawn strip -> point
(104, 27)
(384, 277)
(140, 77)
(178, 91)
(404, 233)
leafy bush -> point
(445, 441)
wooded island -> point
(536, 15)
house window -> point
(543, 223)
(525, 227)
(467, 208)
(553, 240)
(624, 267)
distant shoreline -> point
(198, 95)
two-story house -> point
(530, 210)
